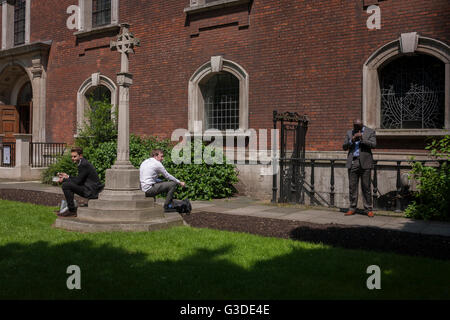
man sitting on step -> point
(86, 184)
(149, 171)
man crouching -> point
(152, 186)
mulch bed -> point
(351, 237)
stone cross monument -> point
(121, 206)
(125, 44)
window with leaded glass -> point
(19, 22)
(101, 12)
(221, 97)
(413, 93)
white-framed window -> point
(15, 23)
(98, 14)
(218, 96)
(406, 87)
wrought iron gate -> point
(293, 129)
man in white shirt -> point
(149, 171)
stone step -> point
(81, 225)
(106, 205)
(123, 215)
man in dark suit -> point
(86, 184)
(359, 143)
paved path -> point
(248, 207)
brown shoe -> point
(370, 214)
(349, 213)
(68, 214)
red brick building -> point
(318, 58)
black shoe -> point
(166, 209)
(188, 206)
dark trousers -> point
(69, 188)
(161, 187)
(354, 174)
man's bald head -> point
(357, 124)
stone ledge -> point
(97, 30)
(214, 5)
(42, 46)
(411, 132)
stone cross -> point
(125, 44)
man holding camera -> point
(359, 143)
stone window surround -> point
(371, 95)
(85, 29)
(82, 102)
(217, 64)
(8, 23)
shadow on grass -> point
(38, 271)
(377, 239)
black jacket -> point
(87, 177)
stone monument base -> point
(83, 225)
(120, 207)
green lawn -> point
(190, 263)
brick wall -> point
(303, 56)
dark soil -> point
(351, 237)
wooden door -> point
(9, 122)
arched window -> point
(218, 96)
(221, 98)
(406, 88)
(95, 88)
(413, 93)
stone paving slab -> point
(296, 216)
(249, 209)
(30, 185)
(286, 210)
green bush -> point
(99, 126)
(203, 181)
(432, 201)
(63, 164)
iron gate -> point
(293, 128)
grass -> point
(191, 263)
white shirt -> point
(149, 171)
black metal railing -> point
(43, 154)
(8, 154)
(328, 198)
